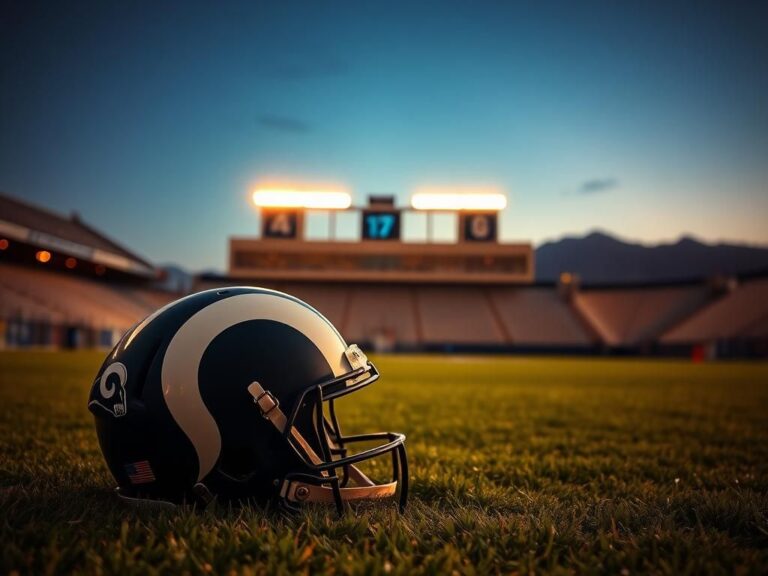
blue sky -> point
(154, 120)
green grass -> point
(518, 465)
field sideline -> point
(518, 465)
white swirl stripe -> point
(181, 364)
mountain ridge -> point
(599, 257)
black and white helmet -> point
(230, 394)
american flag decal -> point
(140, 472)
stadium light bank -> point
(299, 198)
(475, 201)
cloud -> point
(596, 185)
(286, 124)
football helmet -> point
(229, 393)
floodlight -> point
(308, 199)
(479, 201)
(43, 256)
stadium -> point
(66, 285)
(383, 289)
(468, 314)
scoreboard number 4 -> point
(282, 224)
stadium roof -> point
(38, 226)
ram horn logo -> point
(112, 381)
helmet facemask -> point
(332, 475)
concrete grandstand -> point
(664, 319)
(65, 284)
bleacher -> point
(78, 301)
(627, 317)
(540, 317)
(64, 284)
(76, 311)
(330, 300)
(417, 316)
(420, 317)
(458, 315)
(383, 314)
(742, 314)
(14, 304)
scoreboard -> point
(381, 255)
(381, 221)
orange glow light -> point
(459, 200)
(70, 263)
(269, 197)
(43, 256)
(4, 244)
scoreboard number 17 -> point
(378, 225)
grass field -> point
(518, 465)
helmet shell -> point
(171, 400)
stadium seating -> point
(147, 299)
(79, 301)
(381, 312)
(409, 316)
(627, 317)
(329, 300)
(34, 295)
(458, 315)
(743, 313)
(18, 305)
(539, 317)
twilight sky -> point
(153, 120)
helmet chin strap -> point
(297, 491)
